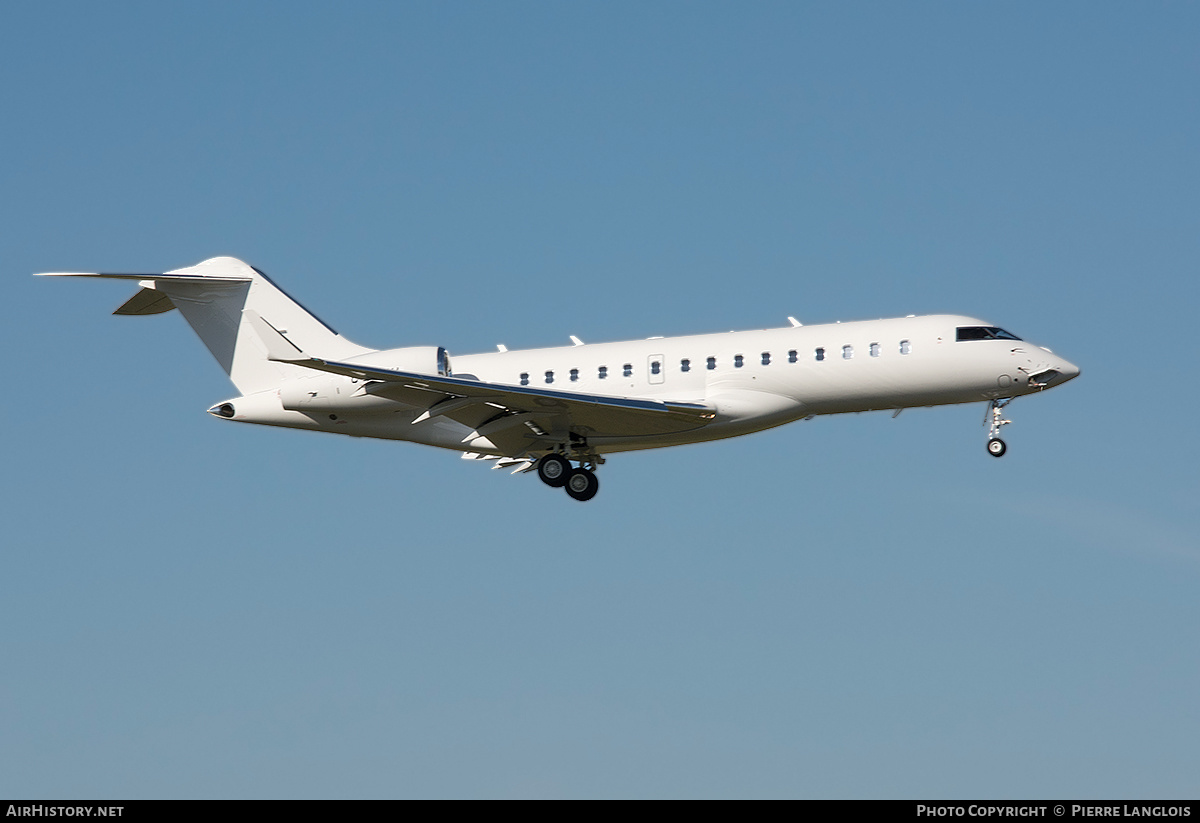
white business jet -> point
(544, 410)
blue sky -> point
(847, 607)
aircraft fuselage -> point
(754, 380)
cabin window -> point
(524, 378)
(847, 352)
(766, 358)
(712, 363)
(549, 377)
(792, 356)
(983, 333)
(874, 349)
(820, 354)
(685, 365)
(602, 373)
(627, 370)
(738, 361)
(574, 375)
(905, 346)
(655, 367)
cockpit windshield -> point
(984, 333)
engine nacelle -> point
(319, 393)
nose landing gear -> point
(995, 446)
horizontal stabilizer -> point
(161, 278)
(214, 270)
(146, 301)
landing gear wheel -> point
(582, 484)
(553, 469)
(996, 447)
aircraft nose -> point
(1054, 373)
(1068, 370)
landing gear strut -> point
(555, 471)
(995, 446)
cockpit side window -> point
(984, 333)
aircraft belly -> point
(715, 431)
(870, 385)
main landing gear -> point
(995, 446)
(580, 482)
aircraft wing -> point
(514, 418)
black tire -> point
(582, 484)
(996, 447)
(553, 469)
